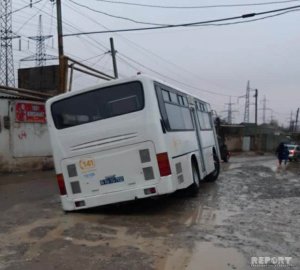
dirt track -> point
(252, 210)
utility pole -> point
(291, 122)
(62, 60)
(272, 118)
(296, 123)
(229, 114)
(256, 128)
(264, 109)
(247, 104)
(113, 55)
(256, 97)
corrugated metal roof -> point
(16, 98)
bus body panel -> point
(182, 170)
(165, 186)
(112, 170)
(106, 154)
(104, 135)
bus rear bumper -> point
(164, 186)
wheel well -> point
(194, 161)
(215, 155)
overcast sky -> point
(219, 59)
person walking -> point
(282, 153)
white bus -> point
(129, 139)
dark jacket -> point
(282, 151)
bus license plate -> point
(111, 180)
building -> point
(24, 138)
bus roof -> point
(119, 81)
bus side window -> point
(204, 119)
(185, 102)
(174, 109)
(166, 95)
(180, 100)
(174, 98)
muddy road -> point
(252, 210)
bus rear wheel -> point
(215, 174)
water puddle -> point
(210, 257)
(233, 166)
(208, 216)
(205, 256)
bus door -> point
(197, 127)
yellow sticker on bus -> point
(87, 164)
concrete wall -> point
(262, 138)
(269, 142)
(23, 146)
(4, 135)
(234, 143)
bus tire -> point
(194, 188)
(215, 174)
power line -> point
(26, 6)
(172, 64)
(170, 78)
(51, 22)
(295, 8)
(115, 16)
(196, 7)
(88, 39)
(91, 19)
(97, 61)
(253, 20)
(33, 16)
(128, 64)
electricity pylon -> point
(40, 56)
(7, 73)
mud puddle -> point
(205, 256)
(250, 211)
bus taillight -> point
(163, 164)
(61, 184)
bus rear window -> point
(98, 104)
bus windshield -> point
(98, 104)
